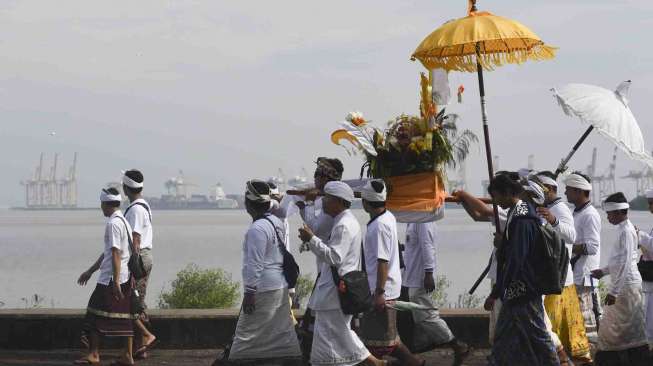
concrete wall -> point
(187, 329)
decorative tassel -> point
(461, 89)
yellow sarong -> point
(567, 321)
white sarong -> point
(622, 324)
(268, 332)
(334, 343)
(430, 329)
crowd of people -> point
(538, 316)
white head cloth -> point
(253, 195)
(369, 194)
(524, 172)
(130, 182)
(577, 181)
(537, 190)
(339, 189)
(649, 193)
(614, 206)
(108, 197)
(546, 180)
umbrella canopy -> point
(608, 112)
(490, 39)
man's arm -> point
(115, 263)
(474, 207)
(381, 278)
(645, 241)
(331, 252)
(86, 275)
(592, 240)
(136, 242)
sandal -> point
(140, 352)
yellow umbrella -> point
(480, 41)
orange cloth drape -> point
(416, 192)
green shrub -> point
(439, 295)
(196, 288)
(303, 289)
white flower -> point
(354, 116)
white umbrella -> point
(606, 111)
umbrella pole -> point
(488, 155)
(563, 164)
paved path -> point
(178, 358)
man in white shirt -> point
(586, 251)
(564, 309)
(381, 258)
(334, 342)
(646, 245)
(265, 328)
(139, 217)
(419, 277)
(622, 331)
(109, 309)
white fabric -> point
(622, 325)
(116, 235)
(648, 311)
(321, 224)
(284, 210)
(546, 180)
(334, 343)
(577, 181)
(588, 232)
(342, 250)
(419, 216)
(381, 243)
(614, 206)
(429, 329)
(649, 193)
(420, 253)
(258, 197)
(646, 246)
(262, 259)
(537, 190)
(440, 90)
(622, 264)
(567, 231)
(268, 332)
(369, 194)
(610, 115)
(339, 189)
(107, 197)
(139, 219)
(130, 182)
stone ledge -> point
(178, 328)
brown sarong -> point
(379, 331)
(108, 316)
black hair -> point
(346, 203)
(512, 175)
(112, 191)
(618, 197)
(271, 184)
(137, 177)
(262, 188)
(505, 185)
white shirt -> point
(284, 210)
(116, 235)
(381, 243)
(342, 250)
(419, 255)
(646, 242)
(316, 219)
(622, 264)
(262, 257)
(588, 232)
(140, 221)
(567, 231)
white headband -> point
(107, 197)
(339, 189)
(537, 190)
(130, 182)
(546, 180)
(649, 193)
(577, 181)
(614, 206)
(369, 194)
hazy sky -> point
(228, 90)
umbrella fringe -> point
(488, 61)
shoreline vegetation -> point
(213, 288)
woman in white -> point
(334, 343)
(622, 325)
(646, 245)
(265, 326)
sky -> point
(232, 90)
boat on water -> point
(178, 200)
